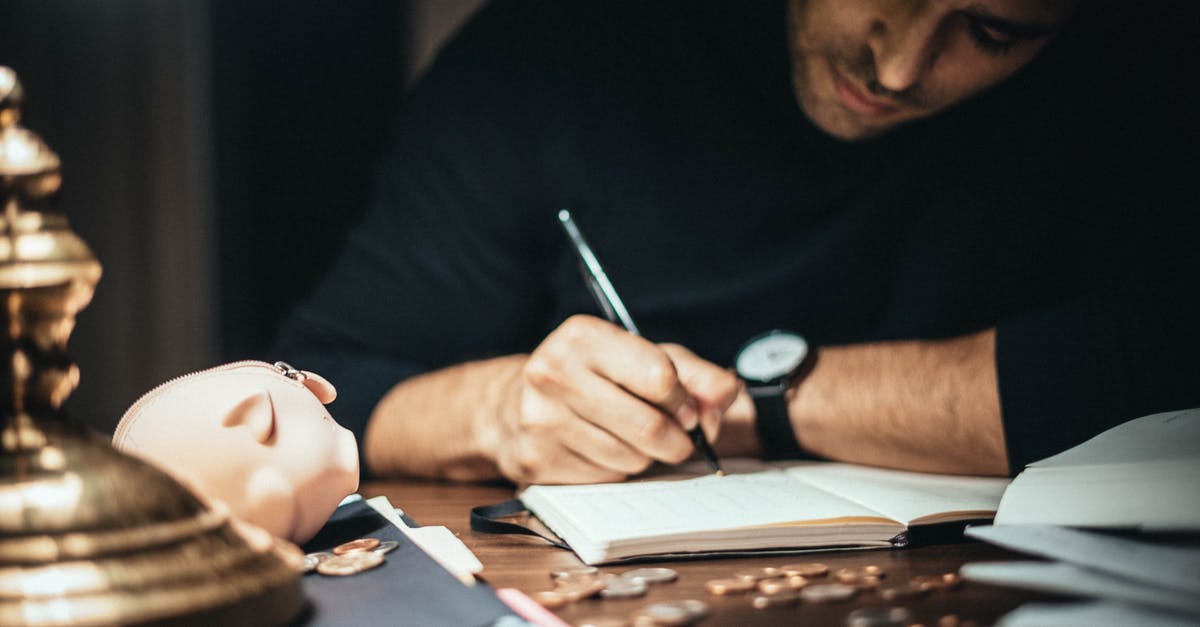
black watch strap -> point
(774, 427)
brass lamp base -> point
(94, 537)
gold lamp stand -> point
(89, 536)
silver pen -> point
(614, 309)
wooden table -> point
(524, 563)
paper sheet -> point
(1167, 566)
(905, 496)
(1098, 614)
(1069, 579)
(438, 542)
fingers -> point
(713, 388)
(575, 390)
(599, 404)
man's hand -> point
(595, 403)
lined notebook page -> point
(607, 512)
(904, 496)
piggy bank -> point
(253, 435)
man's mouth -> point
(858, 99)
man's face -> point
(862, 67)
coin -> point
(771, 586)
(550, 599)
(311, 560)
(698, 608)
(812, 569)
(385, 547)
(729, 586)
(622, 587)
(869, 582)
(851, 575)
(672, 614)
(651, 575)
(948, 620)
(879, 617)
(758, 574)
(603, 621)
(581, 589)
(775, 599)
(567, 572)
(356, 546)
(349, 563)
(944, 581)
(901, 591)
(827, 592)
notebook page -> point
(904, 496)
(620, 511)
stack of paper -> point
(1092, 564)
(1138, 475)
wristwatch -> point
(769, 364)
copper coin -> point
(851, 575)
(550, 599)
(948, 620)
(349, 563)
(779, 584)
(729, 586)
(869, 582)
(775, 599)
(827, 592)
(879, 617)
(758, 574)
(944, 581)
(356, 546)
(812, 569)
(901, 591)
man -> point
(906, 184)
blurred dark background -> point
(214, 154)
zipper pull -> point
(290, 372)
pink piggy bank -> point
(253, 435)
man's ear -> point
(256, 413)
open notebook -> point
(758, 506)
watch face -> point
(771, 356)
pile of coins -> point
(349, 558)
(814, 583)
(576, 583)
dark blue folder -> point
(408, 589)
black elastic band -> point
(484, 518)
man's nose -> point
(904, 48)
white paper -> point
(1167, 566)
(1138, 475)
(1069, 579)
(1158, 437)
(905, 496)
(438, 542)
(1095, 614)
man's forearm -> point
(921, 405)
(439, 424)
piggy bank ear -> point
(255, 413)
(320, 387)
